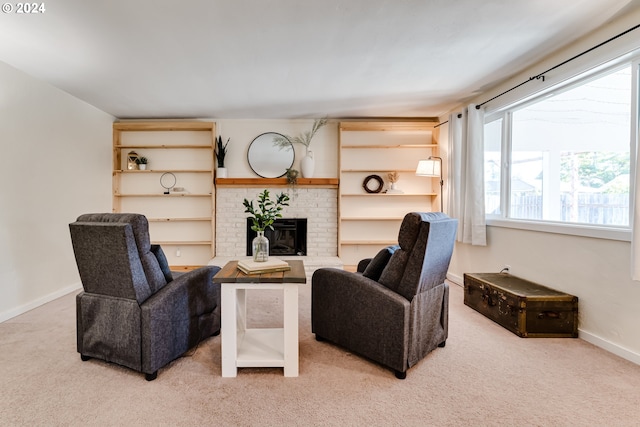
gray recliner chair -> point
(394, 310)
(134, 311)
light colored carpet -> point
(485, 376)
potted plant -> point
(142, 163)
(307, 164)
(262, 217)
(221, 152)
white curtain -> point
(466, 175)
(635, 238)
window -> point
(564, 157)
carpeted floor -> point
(485, 376)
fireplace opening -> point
(288, 237)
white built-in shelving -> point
(370, 221)
(181, 221)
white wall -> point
(55, 165)
(596, 270)
(324, 144)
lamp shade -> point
(430, 167)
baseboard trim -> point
(609, 346)
(455, 279)
(10, 314)
(586, 336)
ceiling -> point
(289, 58)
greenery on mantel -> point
(267, 211)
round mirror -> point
(270, 155)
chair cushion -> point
(162, 261)
(392, 273)
(379, 262)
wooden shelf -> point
(163, 126)
(183, 243)
(162, 171)
(383, 147)
(387, 195)
(162, 195)
(184, 267)
(378, 170)
(424, 125)
(276, 182)
(164, 146)
(368, 242)
(371, 218)
(177, 219)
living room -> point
(68, 145)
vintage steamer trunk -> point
(525, 308)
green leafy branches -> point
(267, 210)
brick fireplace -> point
(318, 205)
(288, 237)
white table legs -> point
(261, 347)
(290, 329)
(229, 337)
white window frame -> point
(622, 233)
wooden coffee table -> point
(258, 347)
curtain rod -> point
(541, 75)
(447, 121)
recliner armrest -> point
(194, 288)
(356, 298)
(171, 318)
(354, 288)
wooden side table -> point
(258, 347)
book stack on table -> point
(271, 265)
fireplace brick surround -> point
(318, 205)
